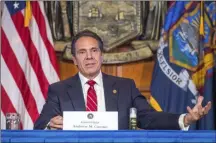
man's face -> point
(88, 57)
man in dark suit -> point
(92, 90)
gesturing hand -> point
(56, 123)
(197, 112)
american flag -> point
(28, 60)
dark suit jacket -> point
(67, 95)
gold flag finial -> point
(201, 18)
(28, 14)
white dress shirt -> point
(99, 88)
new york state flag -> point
(185, 63)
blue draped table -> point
(58, 136)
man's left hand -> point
(197, 112)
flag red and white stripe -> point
(28, 62)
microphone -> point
(133, 119)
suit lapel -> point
(76, 94)
(110, 93)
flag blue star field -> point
(185, 63)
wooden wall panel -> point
(67, 69)
(140, 72)
(109, 69)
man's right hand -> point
(56, 123)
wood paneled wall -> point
(140, 72)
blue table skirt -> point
(58, 136)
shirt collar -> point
(97, 79)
